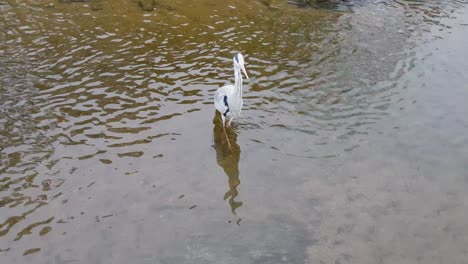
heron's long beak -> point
(245, 72)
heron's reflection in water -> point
(228, 158)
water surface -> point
(353, 147)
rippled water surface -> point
(352, 149)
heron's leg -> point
(224, 129)
(229, 122)
(227, 138)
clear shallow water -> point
(352, 148)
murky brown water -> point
(353, 148)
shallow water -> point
(353, 147)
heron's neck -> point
(238, 81)
(238, 92)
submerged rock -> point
(71, 1)
(316, 3)
(147, 5)
(96, 6)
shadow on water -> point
(333, 5)
(228, 159)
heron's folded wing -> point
(219, 102)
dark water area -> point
(352, 149)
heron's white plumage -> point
(228, 99)
(220, 104)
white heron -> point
(228, 99)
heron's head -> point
(239, 63)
